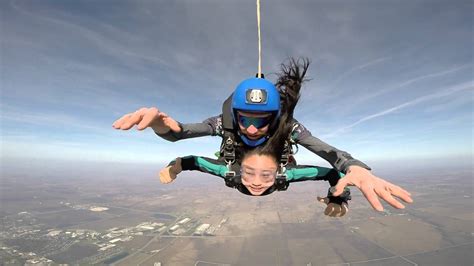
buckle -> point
(229, 174)
(280, 182)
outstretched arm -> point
(357, 173)
(373, 187)
(192, 163)
(143, 118)
(339, 159)
(165, 126)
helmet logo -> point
(256, 96)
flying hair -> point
(289, 82)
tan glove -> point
(334, 209)
(169, 173)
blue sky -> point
(390, 79)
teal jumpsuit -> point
(293, 173)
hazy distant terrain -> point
(52, 218)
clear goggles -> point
(266, 176)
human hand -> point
(167, 175)
(372, 187)
(148, 117)
(170, 172)
(334, 209)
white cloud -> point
(413, 80)
(436, 95)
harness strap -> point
(228, 149)
(281, 182)
(227, 116)
(227, 152)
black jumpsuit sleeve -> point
(339, 159)
(208, 127)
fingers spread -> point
(385, 195)
(400, 193)
(371, 197)
(402, 190)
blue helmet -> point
(256, 95)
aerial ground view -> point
(113, 114)
(75, 219)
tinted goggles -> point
(257, 122)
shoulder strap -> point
(281, 183)
(288, 147)
(227, 120)
(227, 151)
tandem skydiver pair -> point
(259, 133)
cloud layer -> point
(383, 68)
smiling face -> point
(258, 173)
